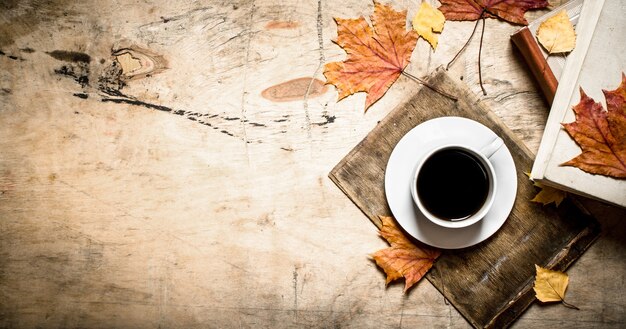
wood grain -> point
(490, 283)
(190, 201)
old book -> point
(595, 64)
(546, 69)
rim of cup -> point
(477, 216)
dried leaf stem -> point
(464, 46)
(566, 304)
(480, 49)
(425, 83)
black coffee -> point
(452, 184)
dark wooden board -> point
(490, 284)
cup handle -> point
(491, 148)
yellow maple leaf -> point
(550, 286)
(427, 22)
(556, 34)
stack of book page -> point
(596, 63)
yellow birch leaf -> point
(550, 286)
(557, 34)
(427, 22)
(548, 194)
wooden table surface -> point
(164, 164)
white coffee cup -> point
(482, 157)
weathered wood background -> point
(163, 163)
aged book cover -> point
(595, 64)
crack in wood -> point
(245, 79)
(112, 80)
(322, 59)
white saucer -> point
(398, 177)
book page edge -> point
(590, 14)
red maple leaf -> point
(509, 10)
(476, 10)
(601, 134)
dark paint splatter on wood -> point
(12, 57)
(110, 81)
(295, 89)
(137, 103)
(192, 116)
(329, 119)
(70, 56)
(79, 72)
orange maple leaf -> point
(601, 134)
(377, 55)
(509, 10)
(403, 258)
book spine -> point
(538, 65)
